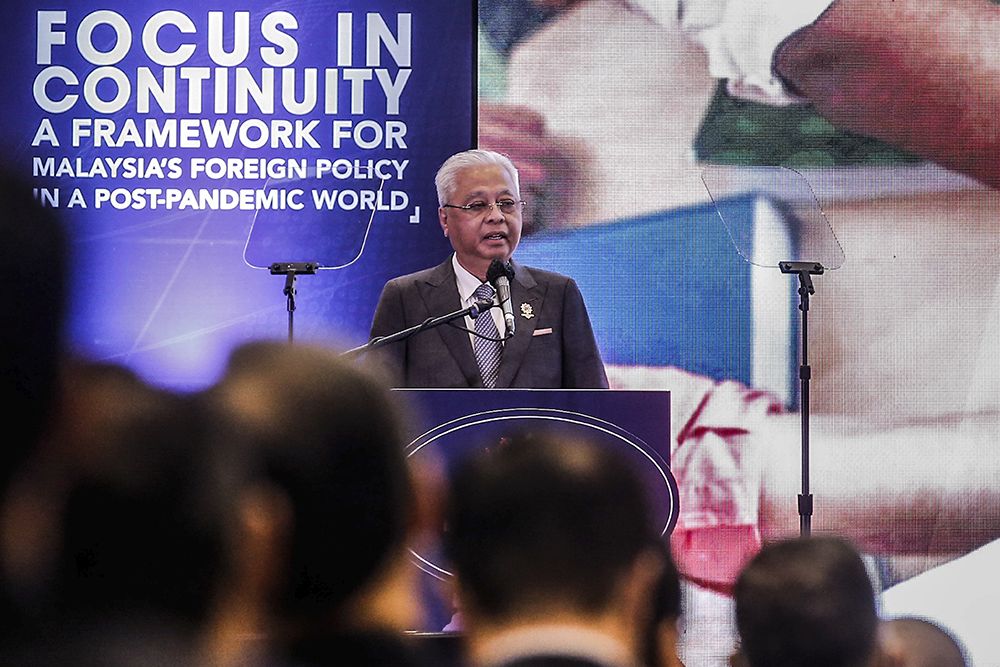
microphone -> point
(499, 275)
(480, 308)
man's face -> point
(479, 237)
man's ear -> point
(888, 657)
(427, 503)
(737, 659)
(443, 219)
(264, 517)
(637, 586)
(890, 650)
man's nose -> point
(494, 214)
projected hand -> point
(549, 166)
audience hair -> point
(327, 435)
(544, 520)
(806, 601)
(920, 642)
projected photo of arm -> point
(923, 76)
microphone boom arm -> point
(473, 311)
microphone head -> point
(499, 268)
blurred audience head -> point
(117, 530)
(323, 442)
(806, 601)
(146, 505)
(544, 529)
(918, 642)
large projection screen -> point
(613, 111)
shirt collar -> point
(563, 640)
(467, 283)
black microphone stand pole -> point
(472, 311)
(804, 270)
(291, 271)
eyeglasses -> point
(505, 206)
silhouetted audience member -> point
(34, 284)
(806, 601)
(918, 642)
(332, 500)
(552, 546)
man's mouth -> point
(495, 236)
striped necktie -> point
(488, 349)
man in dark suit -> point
(554, 554)
(552, 345)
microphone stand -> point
(804, 270)
(291, 270)
(472, 311)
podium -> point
(448, 425)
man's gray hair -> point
(448, 173)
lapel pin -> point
(526, 311)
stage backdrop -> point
(191, 148)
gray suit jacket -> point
(553, 348)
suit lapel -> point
(440, 295)
(523, 290)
